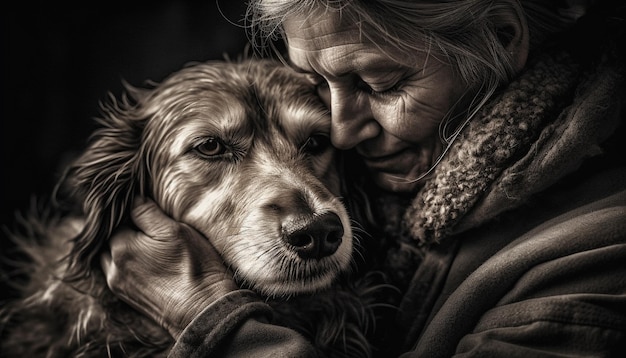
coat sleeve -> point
(238, 325)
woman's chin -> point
(396, 183)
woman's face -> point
(388, 111)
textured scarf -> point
(500, 134)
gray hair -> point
(463, 32)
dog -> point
(240, 151)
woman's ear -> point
(512, 30)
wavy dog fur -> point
(239, 151)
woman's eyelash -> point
(364, 86)
(388, 90)
(360, 84)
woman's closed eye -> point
(377, 90)
(372, 86)
(323, 88)
(381, 84)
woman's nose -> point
(352, 121)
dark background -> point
(59, 61)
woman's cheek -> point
(391, 113)
(411, 121)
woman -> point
(491, 131)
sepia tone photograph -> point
(314, 178)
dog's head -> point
(239, 151)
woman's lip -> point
(393, 162)
(380, 157)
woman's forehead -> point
(330, 30)
(320, 31)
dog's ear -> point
(105, 178)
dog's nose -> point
(316, 238)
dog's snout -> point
(316, 238)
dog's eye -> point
(211, 147)
(316, 144)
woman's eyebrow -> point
(301, 70)
(376, 69)
(380, 74)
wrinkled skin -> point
(388, 111)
